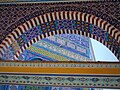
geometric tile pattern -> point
(29, 35)
(66, 24)
(24, 18)
(100, 33)
(64, 64)
(50, 54)
(77, 39)
(95, 81)
(76, 80)
(17, 19)
(57, 25)
(106, 10)
(28, 55)
(30, 87)
(9, 54)
(73, 47)
(55, 51)
(50, 79)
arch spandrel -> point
(51, 22)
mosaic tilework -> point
(32, 87)
(103, 34)
(28, 55)
(55, 88)
(68, 24)
(77, 39)
(78, 10)
(9, 54)
(52, 44)
(95, 81)
(47, 27)
(71, 42)
(32, 33)
(65, 24)
(48, 54)
(62, 80)
(77, 52)
(108, 11)
(48, 64)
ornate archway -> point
(23, 24)
(71, 22)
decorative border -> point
(93, 81)
(60, 64)
(58, 16)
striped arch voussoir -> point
(71, 15)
